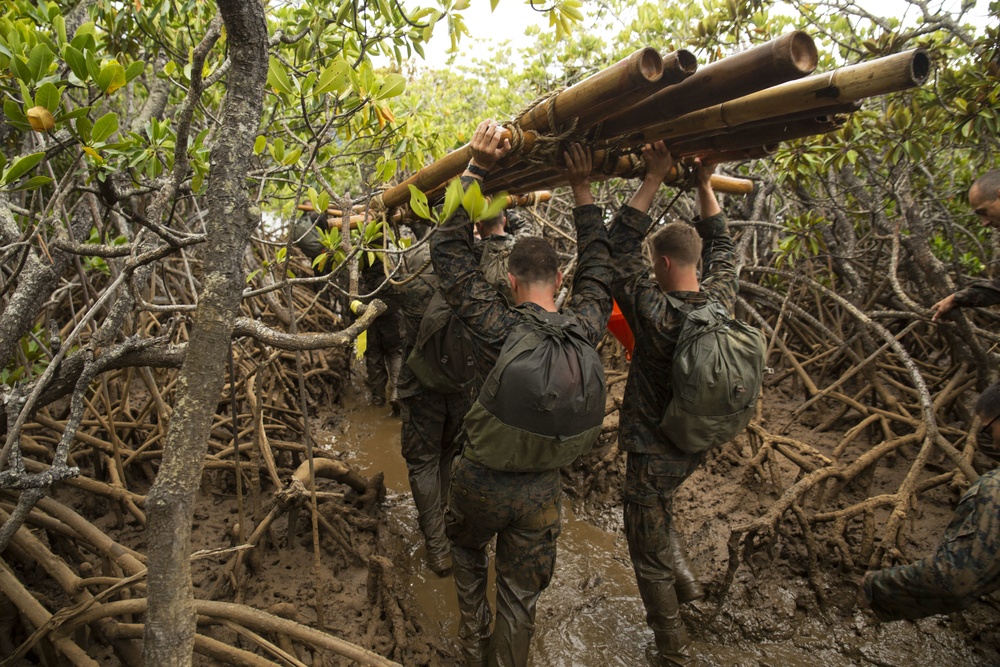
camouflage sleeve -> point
(964, 566)
(640, 299)
(718, 257)
(985, 293)
(480, 307)
(591, 298)
(631, 285)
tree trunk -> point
(170, 622)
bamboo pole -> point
(767, 134)
(623, 84)
(790, 56)
(630, 78)
(841, 86)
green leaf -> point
(111, 77)
(3, 162)
(418, 202)
(259, 144)
(452, 199)
(34, 183)
(92, 67)
(39, 60)
(48, 96)
(15, 114)
(322, 204)
(473, 201)
(77, 61)
(20, 68)
(497, 204)
(105, 126)
(84, 128)
(292, 158)
(393, 85)
(277, 78)
(21, 166)
(333, 79)
(134, 70)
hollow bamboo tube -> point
(790, 56)
(766, 134)
(632, 77)
(592, 98)
(605, 93)
(842, 86)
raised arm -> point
(480, 307)
(591, 298)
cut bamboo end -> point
(646, 65)
(679, 65)
(799, 53)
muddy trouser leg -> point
(685, 582)
(394, 361)
(526, 557)
(375, 364)
(430, 427)
(649, 486)
(471, 522)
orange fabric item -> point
(620, 329)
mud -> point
(591, 616)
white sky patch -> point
(513, 17)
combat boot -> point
(673, 648)
(685, 582)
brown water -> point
(591, 615)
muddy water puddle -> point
(591, 614)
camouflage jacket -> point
(656, 324)
(965, 566)
(414, 295)
(984, 293)
(486, 312)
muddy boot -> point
(440, 563)
(673, 649)
(685, 582)
(395, 363)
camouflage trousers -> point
(963, 567)
(522, 510)
(429, 436)
(654, 548)
(384, 357)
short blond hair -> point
(677, 240)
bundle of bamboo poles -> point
(737, 108)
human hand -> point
(942, 307)
(703, 173)
(488, 144)
(579, 165)
(658, 160)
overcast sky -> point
(513, 16)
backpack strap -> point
(682, 306)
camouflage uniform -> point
(656, 467)
(521, 509)
(983, 293)
(384, 355)
(431, 421)
(964, 567)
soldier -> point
(431, 420)
(966, 565)
(656, 466)
(384, 356)
(984, 198)
(520, 509)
